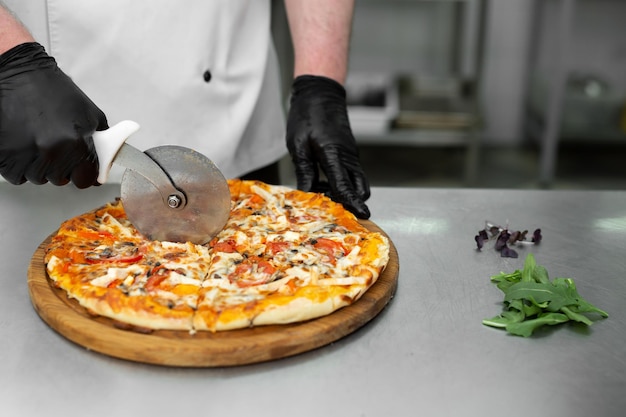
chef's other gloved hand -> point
(46, 122)
(319, 136)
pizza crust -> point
(139, 317)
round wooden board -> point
(203, 349)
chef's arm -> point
(319, 137)
(12, 32)
(320, 31)
(47, 121)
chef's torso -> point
(201, 74)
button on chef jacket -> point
(196, 73)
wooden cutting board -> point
(203, 349)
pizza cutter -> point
(169, 193)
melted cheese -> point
(113, 274)
(113, 226)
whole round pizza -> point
(284, 256)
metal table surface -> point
(427, 352)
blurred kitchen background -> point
(485, 93)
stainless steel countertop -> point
(426, 353)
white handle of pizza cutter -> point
(111, 147)
(108, 143)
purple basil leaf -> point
(514, 237)
(503, 238)
(537, 236)
(479, 241)
(494, 230)
(483, 234)
(507, 252)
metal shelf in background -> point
(448, 120)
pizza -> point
(284, 256)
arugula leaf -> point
(505, 319)
(529, 268)
(548, 296)
(572, 315)
(540, 274)
(527, 327)
(531, 300)
(504, 281)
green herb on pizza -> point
(532, 300)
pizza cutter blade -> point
(169, 193)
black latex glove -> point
(319, 136)
(46, 122)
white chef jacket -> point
(196, 73)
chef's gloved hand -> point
(319, 136)
(46, 122)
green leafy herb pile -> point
(531, 300)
